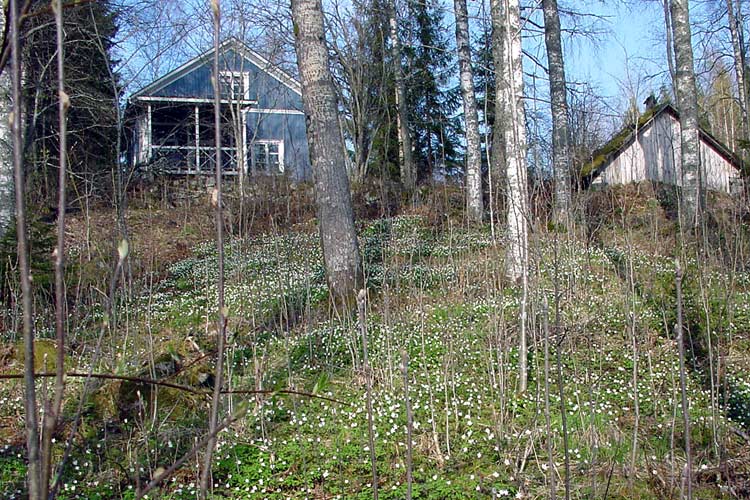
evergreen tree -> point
(92, 119)
(429, 67)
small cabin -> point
(650, 151)
(262, 119)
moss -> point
(45, 355)
(603, 154)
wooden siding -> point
(272, 111)
(289, 128)
(654, 155)
(265, 89)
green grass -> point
(439, 295)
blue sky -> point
(630, 56)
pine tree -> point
(406, 158)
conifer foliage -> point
(92, 119)
(429, 67)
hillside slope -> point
(438, 298)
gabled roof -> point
(603, 157)
(231, 43)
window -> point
(267, 157)
(234, 84)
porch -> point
(178, 138)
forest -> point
(354, 249)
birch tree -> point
(498, 169)
(558, 98)
(506, 20)
(327, 153)
(406, 158)
(474, 206)
(687, 103)
(7, 192)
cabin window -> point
(234, 84)
(267, 157)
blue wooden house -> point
(262, 129)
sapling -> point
(361, 310)
(683, 383)
(221, 320)
(409, 421)
(52, 410)
(31, 413)
(550, 456)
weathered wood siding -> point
(654, 155)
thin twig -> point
(683, 381)
(107, 376)
(409, 422)
(361, 310)
(200, 444)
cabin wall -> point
(273, 111)
(288, 127)
(650, 157)
(269, 92)
(720, 175)
(655, 156)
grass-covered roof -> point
(602, 157)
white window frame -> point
(267, 167)
(233, 75)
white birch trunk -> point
(558, 97)
(7, 184)
(474, 205)
(406, 158)
(515, 141)
(687, 103)
(327, 152)
(510, 95)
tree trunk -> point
(558, 97)
(7, 186)
(498, 153)
(510, 95)
(474, 206)
(735, 29)
(332, 195)
(406, 158)
(670, 52)
(687, 103)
